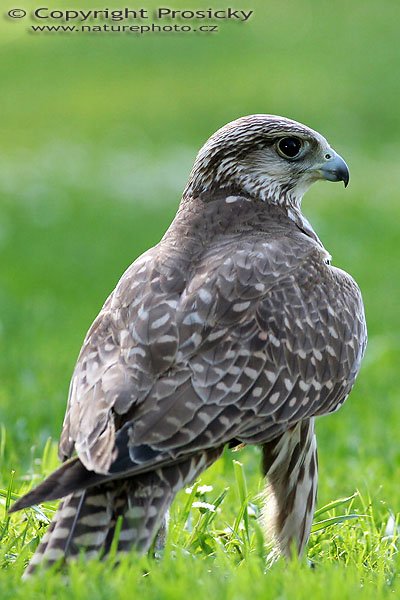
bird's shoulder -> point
(173, 309)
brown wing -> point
(132, 342)
(256, 337)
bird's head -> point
(265, 156)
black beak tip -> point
(345, 176)
(336, 169)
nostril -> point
(328, 156)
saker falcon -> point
(235, 328)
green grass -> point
(216, 549)
(98, 136)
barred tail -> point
(83, 520)
(86, 521)
(291, 466)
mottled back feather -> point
(235, 328)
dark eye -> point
(289, 147)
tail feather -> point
(81, 524)
(73, 476)
(86, 520)
(147, 502)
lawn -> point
(99, 134)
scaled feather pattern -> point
(235, 328)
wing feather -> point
(259, 335)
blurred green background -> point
(99, 132)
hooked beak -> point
(335, 169)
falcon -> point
(234, 329)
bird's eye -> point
(289, 147)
